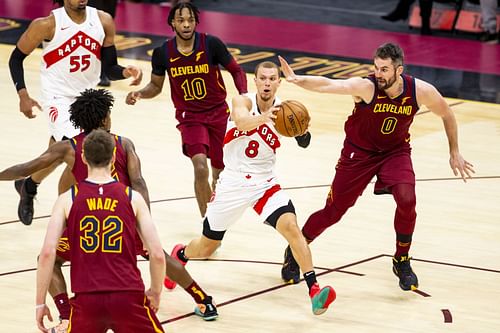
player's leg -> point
(286, 225)
(66, 180)
(217, 132)
(177, 273)
(27, 189)
(397, 175)
(202, 188)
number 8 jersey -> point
(251, 151)
(71, 61)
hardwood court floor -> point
(456, 248)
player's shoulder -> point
(44, 23)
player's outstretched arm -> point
(56, 152)
(244, 121)
(47, 256)
(152, 89)
(429, 96)
(149, 235)
(355, 86)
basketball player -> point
(248, 180)
(377, 143)
(92, 110)
(77, 40)
(192, 61)
(101, 217)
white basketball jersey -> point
(71, 61)
(251, 151)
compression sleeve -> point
(220, 55)
(304, 139)
(16, 68)
(158, 60)
(110, 63)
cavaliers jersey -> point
(384, 123)
(251, 151)
(101, 229)
(71, 61)
(195, 82)
(119, 170)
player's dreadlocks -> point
(60, 2)
(90, 109)
(193, 10)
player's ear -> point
(84, 159)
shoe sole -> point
(326, 296)
(207, 318)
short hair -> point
(98, 148)
(90, 109)
(392, 51)
(193, 10)
(60, 2)
(266, 64)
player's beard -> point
(387, 84)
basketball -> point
(292, 118)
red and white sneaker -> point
(168, 283)
(321, 298)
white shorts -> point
(235, 192)
(57, 112)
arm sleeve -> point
(16, 68)
(110, 63)
(158, 61)
(220, 55)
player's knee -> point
(201, 171)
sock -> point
(199, 296)
(403, 243)
(63, 306)
(31, 186)
(181, 255)
(310, 278)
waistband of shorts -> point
(248, 175)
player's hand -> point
(461, 166)
(41, 312)
(26, 105)
(133, 97)
(134, 72)
(287, 70)
(269, 115)
(154, 299)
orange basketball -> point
(292, 118)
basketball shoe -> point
(61, 328)
(25, 208)
(402, 269)
(168, 283)
(290, 272)
(207, 311)
(321, 298)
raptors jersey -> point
(384, 123)
(71, 61)
(101, 229)
(119, 169)
(251, 151)
(195, 83)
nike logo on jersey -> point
(380, 97)
(64, 28)
(174, 59)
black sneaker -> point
(402, 269)
(208, 311)
(290, 272)
(25, 208)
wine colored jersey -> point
(383, 124)
(119, 169)
(102, 230)
(196, 82)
